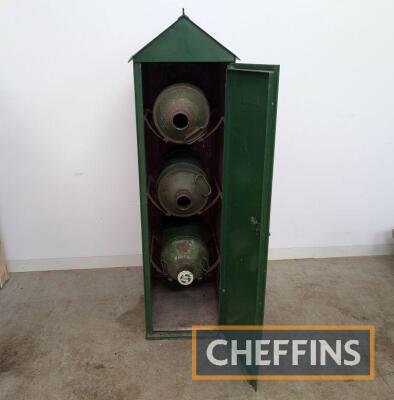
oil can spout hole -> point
(180, 121)
(183, 202)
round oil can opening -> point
(180, 121)
(183, 202)
(185, 278)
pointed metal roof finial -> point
(183, 12)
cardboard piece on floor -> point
(4, 276)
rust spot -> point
(184, 246)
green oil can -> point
(182, 186)
(184, 254)
(181, 113)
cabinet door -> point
(249, 135)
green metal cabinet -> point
(240, 157)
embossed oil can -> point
(184, 255)
(181, 113)
(182, 187)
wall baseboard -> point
(53, 264)
(330, 251)
(135, 260)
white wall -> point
(68, 160)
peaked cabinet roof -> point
(184, 41)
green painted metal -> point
(181, 113)
(158, 335)
(251, 96)
(250, 115)
(182, 187)
(184, 255)
(139, 111)
(250, 121)
(184, 41)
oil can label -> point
(294, 352)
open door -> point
(250, 117)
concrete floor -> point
(80, 334)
